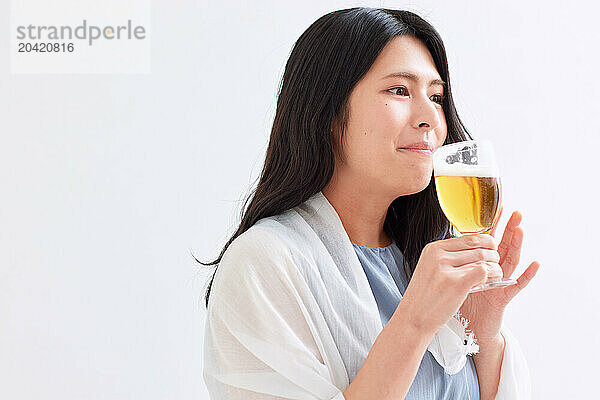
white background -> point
(110, 181)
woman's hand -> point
(485, 309)
(445, 272)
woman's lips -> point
(424, 152)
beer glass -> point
(469, 191)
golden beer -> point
(471, 203)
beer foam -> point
(458, 169)
(468, 158)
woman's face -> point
(396, 104)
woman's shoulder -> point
(281, 233)
(256, 259)
(273, 247)
(268, 244)
(257, 242)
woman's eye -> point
(437, 98)
(400, 91)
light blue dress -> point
(388, 281)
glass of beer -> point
(469, 191)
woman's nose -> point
(426, 116)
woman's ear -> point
(334, 126)
(336, 138)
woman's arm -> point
(446, 270)
(488, 363)
(392, 362)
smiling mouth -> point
(420, 151)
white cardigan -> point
(291, 315)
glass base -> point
(493, 285)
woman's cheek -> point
(391, 115)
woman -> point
(344, 278)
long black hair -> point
(325, 64)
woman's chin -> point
(416, 186)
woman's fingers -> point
(493, 232)
(479, 272)
(513, 222)
(460, 258)
(512, 255)
(466, 242)
(522, 281)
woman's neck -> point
(362, 214)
